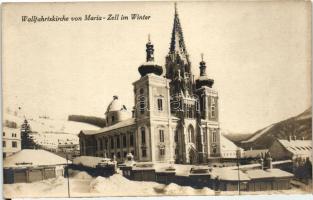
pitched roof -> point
(298, 147)
(121, 124)
(33, 157)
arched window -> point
(191, 134)
(142, 103)
(143, 135)
(213, 107)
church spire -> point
(177, 41)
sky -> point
(258, 54)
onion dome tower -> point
(150, 66)
(203, 79)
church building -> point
(175, 117)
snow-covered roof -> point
(89, 161)
(269, 173)
(121, 124)
(227, 145)
(33, 157)
(298, 147)
(228, 174)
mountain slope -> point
(299, 126)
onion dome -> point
(150, 66)
(203, 80)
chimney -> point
(262, 163)
(269, 164)
(294, 137)
(289, 138)
(302, 137)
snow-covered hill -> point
(48, 131)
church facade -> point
(175, 117)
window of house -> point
(204, 136)
(3, 143)
(214, 136)
(112, 143)
(144, 152)
(14, 144)
(176, 136)
(101, 144)
(124, 141)
(112, 119)
(160, 104)
(105, 143)
(131, 140)
(161, 132)
(118, 145)
(143, 135)
(162, 151)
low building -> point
(11, 141)
(229, 149)
(291, 149)
(30, 165)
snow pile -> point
(174, 189)
(117, 185)
(55, 187)
(79, 174)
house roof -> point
(228, 174)
(33, 157)
(258, 174)
(227, 145)
(297, 147)
(121, 124)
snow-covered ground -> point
(83, 185)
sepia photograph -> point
(151, 98)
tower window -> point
(3, 133)
(160, 104)
(162, 151)
(144, 153)
(112, 119)
(141, 102)
(213, 105)
(143, 135)
(3, 144)
(161, 135)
